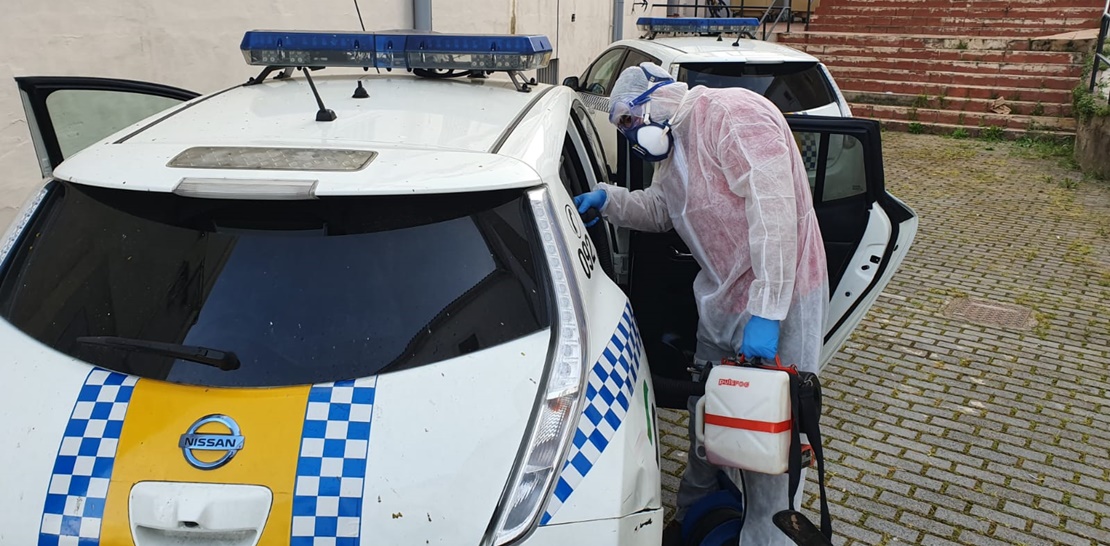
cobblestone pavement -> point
(939, 430)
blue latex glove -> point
(590, 200)
(761, 338)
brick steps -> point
(891, 63)
(972, 131)
(827, 7)
(858, 23)
(987, 31)
(824, 52)
(1005, 13)
(960, 104)
(963, 119)
(1049, 25)
(1045, 96)
(865, 40)
(943, 63)
(944, 77)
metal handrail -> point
(712, 7)
(1104, 29)
(774, 24)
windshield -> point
(793, 86)
(301, 292)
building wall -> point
(195, 45)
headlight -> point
(554, 418)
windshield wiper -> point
(224, 360)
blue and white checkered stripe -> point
(609, 393)
(83, 468)
(595, 102)
(331, 469)
(809, 144)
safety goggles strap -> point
(653, 78)
(646, 95)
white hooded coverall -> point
(736, 191)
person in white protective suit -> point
(730, 180)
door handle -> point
(679, 255)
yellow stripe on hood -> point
(270, 420)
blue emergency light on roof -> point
(697, 25)
(396, 50)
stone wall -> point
(1092, 137)
(1092, 146)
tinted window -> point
(843, 173)
(301, 291)
(599, 80)
(635, 58)
(81, 117)
(588, 132)
(793, 87)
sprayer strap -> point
(805, 398)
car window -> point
(301, 291)
(842, 176)
(842, 173)
(634, 58)
(582, 123)
(570, 170)
(792, 86)
(81, 117)
(601, 75)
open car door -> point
(67, 114)
(866, 232)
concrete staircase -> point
(1003, 66)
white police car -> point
(364, 315)
(714, 52)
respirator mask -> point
(651, 141)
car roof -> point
(430, 135)
(687, 49)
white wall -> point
(194, 44)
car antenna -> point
(359, 12)
(323, 114)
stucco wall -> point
(195, 45)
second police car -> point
(348, 309)
(716, 52)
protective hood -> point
(636, 114)
(643, 83)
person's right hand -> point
(591, 200)
(761, 338)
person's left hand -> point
(761, 338)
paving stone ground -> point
(941, 431)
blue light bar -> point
(696, 25)
(283, 49)
(473, 52)
(396, 50)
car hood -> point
(418, 456)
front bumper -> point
(639, 529)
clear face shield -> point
(628, 116)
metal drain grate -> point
(990, 313)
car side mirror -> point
(571, 82)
